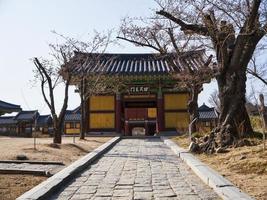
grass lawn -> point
(12, 186)
(246, 167)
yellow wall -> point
(69, 130)
(175, 101)
(72, 131)
(152, 112)
(178, 120)
(98, 103)
(102, 120)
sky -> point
(26, 32)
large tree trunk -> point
(234, 121)
(193, 107)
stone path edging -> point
(46, 188)
(32, 162)
(25, 171)
(224, 188)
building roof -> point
(135, 64)
(7, 120)
(8, 107)
(207, 113)
(77, 110)
(72, 117)
(44, 120)
(28, 115)
(204, 107)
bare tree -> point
(234, 28)
(60, 70)
(49, 77)
(87, 85)
(164, 38)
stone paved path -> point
(137, 169)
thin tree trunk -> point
(82, 134)
(193, 107)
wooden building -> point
(208, 118)
(25, 123)
(8, 126)
(72, 122)
(8, 108)
(44, 124)
(148, 98)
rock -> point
(22, 157)
(194, 147)
(242, 157)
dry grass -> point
(246, 167)
(12, 186)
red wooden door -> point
(135, 113)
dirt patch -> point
(246, 167)
(12, 186)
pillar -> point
(160, 113)
(127, 128)
(118, 113)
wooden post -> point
(263, 118)
(160, 111)
(127, 131)
(82, 106)
(118, 113)
(87, 109)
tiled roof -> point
(206, 112)
(77, 110)
(7, 120)
(135, 64)
(8, 107)
(44, 120)
(208, 115)
(70, 117)
(27, 115)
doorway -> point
(140, 116)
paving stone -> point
(81, 196)
(123, 193)
(86, 190)
(142, 195)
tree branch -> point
(50, 85)
(196, 28)
(254, 14)
(139, 43)
(42, 85)
(256, 75)
(175, 46)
